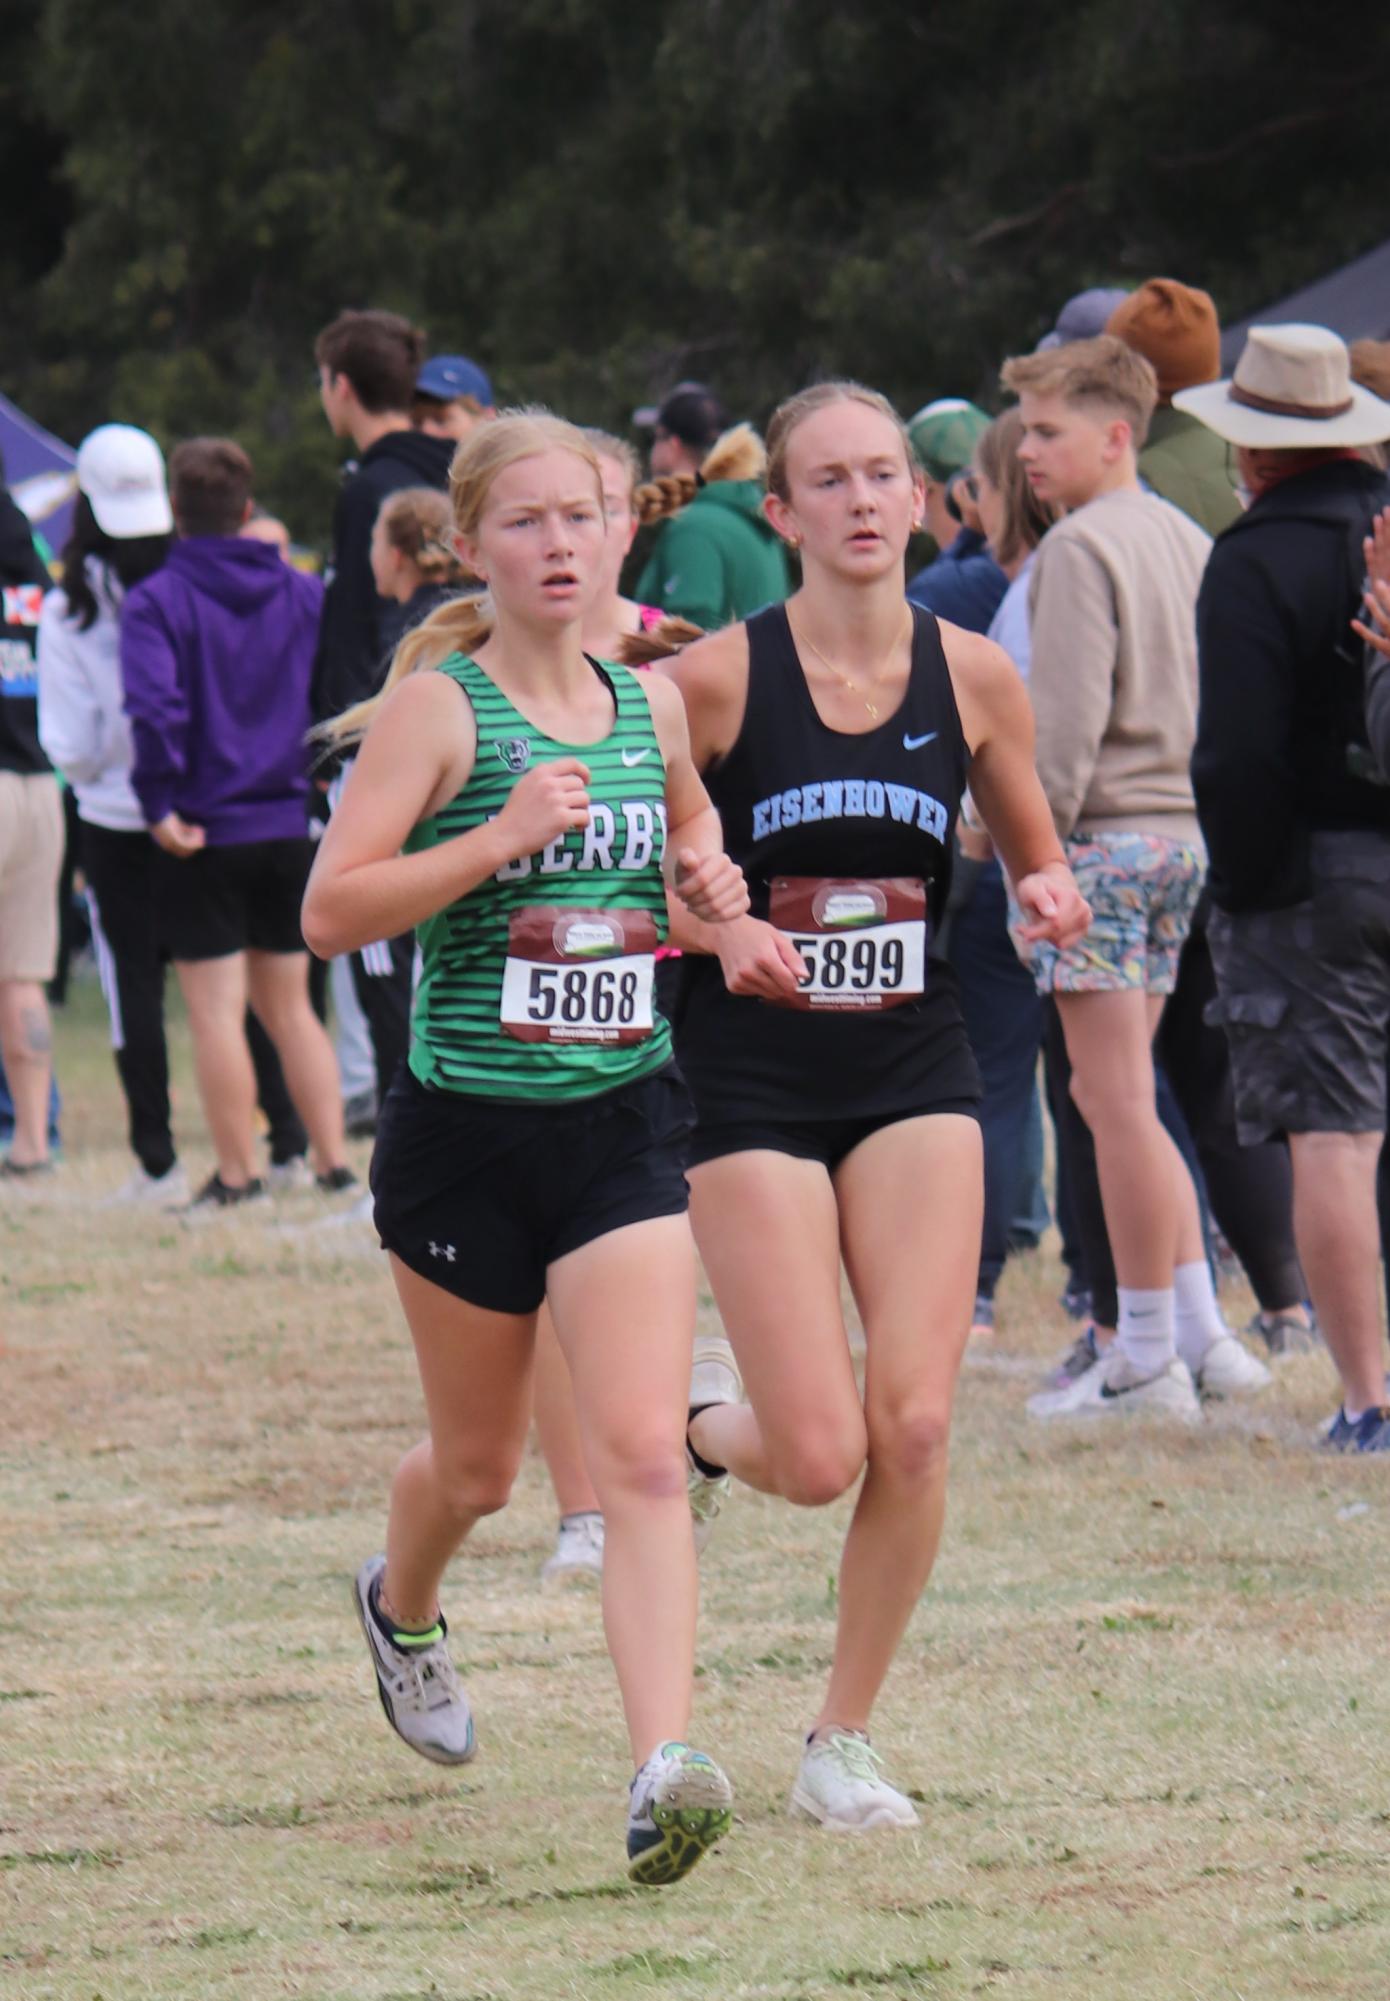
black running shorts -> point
(481, 1198)
(825, 1140)
(239, 898)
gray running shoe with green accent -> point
(680, 1804)
(419, 1688)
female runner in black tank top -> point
(834, 734)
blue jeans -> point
(55, 1106)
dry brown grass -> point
(1144, 1703)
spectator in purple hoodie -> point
(217, 649)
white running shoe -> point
(1114, 1384)
(679, 1805)
(286, 1177)
(714, 1378)
(151, 1191)
(419, 1688)
(1230, 1370)
(578, 1552)
(841, 1785)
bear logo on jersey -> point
(514, 751)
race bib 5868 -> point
(579, 975)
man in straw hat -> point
(1298, 834)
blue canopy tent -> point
(39, 471)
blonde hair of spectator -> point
(621, 453)
(1026, 518)
(419, 522)
(1100, 376)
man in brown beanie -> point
(1175, 328)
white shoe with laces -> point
(841, 1785)
(578, 1552)
(1113, 1384)
(418, 1685)
(714, 1378)
(1228, 1369)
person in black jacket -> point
(368, 363)
(1374, 628)
(1298, 837)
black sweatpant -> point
(131, 961)
(1250, 1188)
(381, 978)
(119, 868)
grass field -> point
(1144, 1704)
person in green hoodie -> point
(715, 558)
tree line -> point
(597, 197)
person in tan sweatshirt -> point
(1114, 690)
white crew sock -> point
(1145, 1333)
(1198, 1322)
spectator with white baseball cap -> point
(121, 531)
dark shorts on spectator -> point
(241, 898)
(1303, 994)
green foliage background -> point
(595, 197)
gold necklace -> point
(840, 673)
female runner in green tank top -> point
(525, 807)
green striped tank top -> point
(537, 985)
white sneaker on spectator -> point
(1114, 1384)
(150, 1191)
(286, 1176)
(578, 1552)
(1228, 1369)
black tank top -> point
(800, 800)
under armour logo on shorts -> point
(445, 1251)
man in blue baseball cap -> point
(452, 394)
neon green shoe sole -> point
(686, 1833)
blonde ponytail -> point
(737, 454)
(460, 626)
